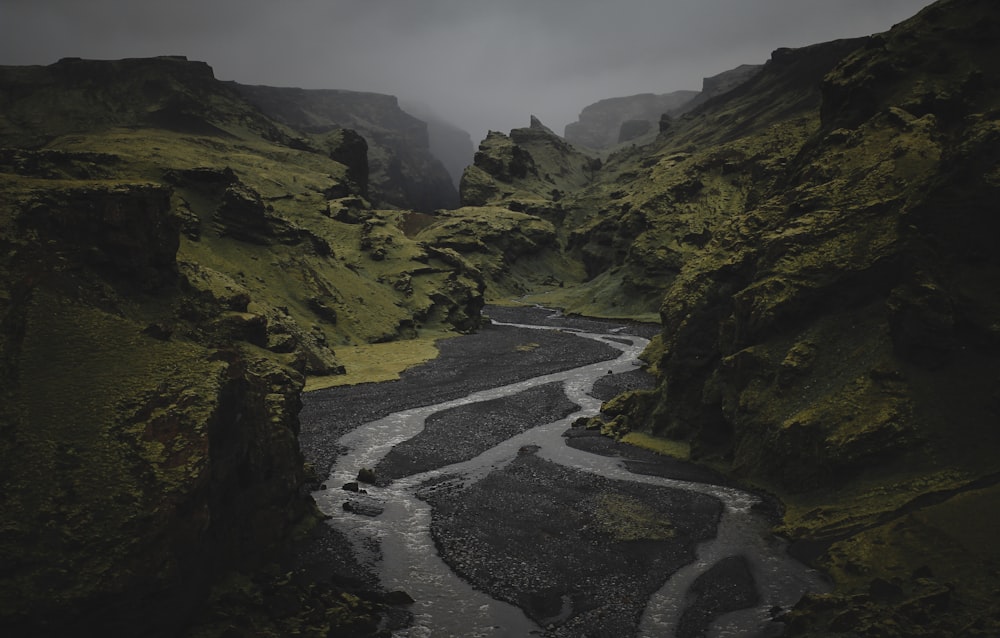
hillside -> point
(174, 264)
(402, 171)
(818, 244)
(613, 121)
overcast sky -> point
(481, 64)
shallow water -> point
(399, 539)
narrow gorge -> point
(761, 398)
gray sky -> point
(481, 64)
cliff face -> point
(605, 124)
(721, 83)
(449, 143)
(530, 163)
(403, 172)
(818, 242)
(173, 264)
(149, 438)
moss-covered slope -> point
(173, 264)
(403, 172)
(825, 237)
(819, 243)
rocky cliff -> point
(818, 242)
(403, 172)
(174, 264)
(449, 143)
(605, 124)
(721, 83)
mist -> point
(480, 65)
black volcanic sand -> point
(466, 431)
(639, 461)
(466, 364)
(486, 359)
(579, 553)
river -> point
(497, 526)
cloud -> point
(479, 63)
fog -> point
(482, 65)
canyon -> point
(181, 256)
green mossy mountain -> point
(819, 244)
(174, 264)
(402, 171)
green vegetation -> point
(624, 519)
(174, 264)
(676, 449)
(818, 244)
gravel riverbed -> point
(578, 552)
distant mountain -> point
(403, 171)
(607, 123)
(449, 143)
(723, 83)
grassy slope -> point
(832, 339)
(173, 262)
(819, 246)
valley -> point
(577, 532)
(213, 295)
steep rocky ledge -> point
(830, 317)
(403, 172)
(605, 124)
(819, 244)
(148, 438)
(173, 264)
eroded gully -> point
(399, 539)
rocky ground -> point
(577, 552)
(494, 356)
(608, 544)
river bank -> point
(583, 538)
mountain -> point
(818, 243)
(612, 122)
(607, 123)
(174, 263)
(403, 170)
(723, 83)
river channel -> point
(501, 519)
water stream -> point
(399, 539)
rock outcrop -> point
(724, 82)
(174, 264)
(449, 143)
(818, 242)
(531, 163)
(403, 172)
(149, 438)
(605, 124)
